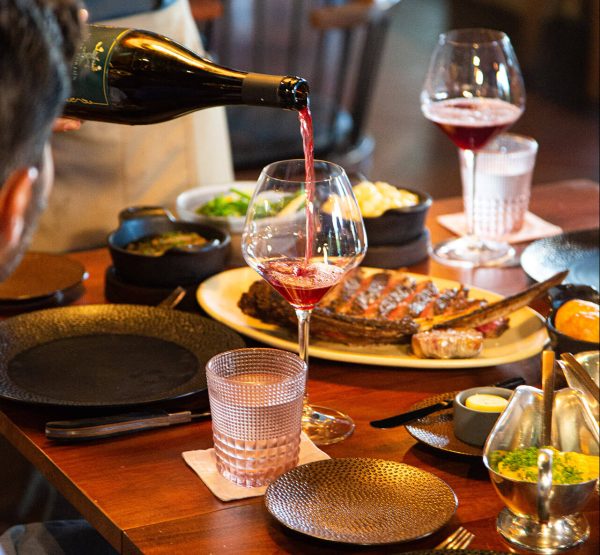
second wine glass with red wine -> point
(302, 236)
(473, 91)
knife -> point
(119, 424)
(399, 419)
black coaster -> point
(116, 290)
(397, 256)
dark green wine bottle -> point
(138, 77)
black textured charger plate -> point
(107, 355)
(577, 252)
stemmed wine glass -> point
(302, 237)
(473, 91)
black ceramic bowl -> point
(175, 266)
(562, 343)
(399, 226)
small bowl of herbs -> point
(223, 205)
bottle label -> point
(91, 63)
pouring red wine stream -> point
(308, 143)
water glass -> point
(503, 172)
(256, 404)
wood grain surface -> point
(139, 493)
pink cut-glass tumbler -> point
(256, 404)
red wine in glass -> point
(300, 259)
(473, 91)
(470, 123)
(302, 284)
(275, 246)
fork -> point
(459, 539)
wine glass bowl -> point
(473, 91)
(302, 237)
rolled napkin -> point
(203, 462)
(534, 227)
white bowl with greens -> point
(224, 205)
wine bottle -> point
(139, 77)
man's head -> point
(37, 41)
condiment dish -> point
(473, 426)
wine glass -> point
(473, 91)
(302, 237)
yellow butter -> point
(486, 402)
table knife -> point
(403, 418)
(119, 424)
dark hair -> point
(37, 42)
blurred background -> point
(366, 61)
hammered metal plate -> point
(39, 276)
(361, 501)
(108, 355)
(437, 429)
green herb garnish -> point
(521, 464)
(234, 203)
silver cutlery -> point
(173, 298)
(461, 538)
(111, 426)
(582, 375)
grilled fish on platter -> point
(388, 306)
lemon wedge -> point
(485, 402)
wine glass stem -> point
(470, 158)
(303, 335)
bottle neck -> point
(282, 91)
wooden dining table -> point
(138, 492)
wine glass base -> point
(325, 426)
(469, 252)
(558, 534)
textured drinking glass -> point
(504, 171)
(256, 404)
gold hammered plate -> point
(437, 429)
(361, 501)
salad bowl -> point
(223, 205)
